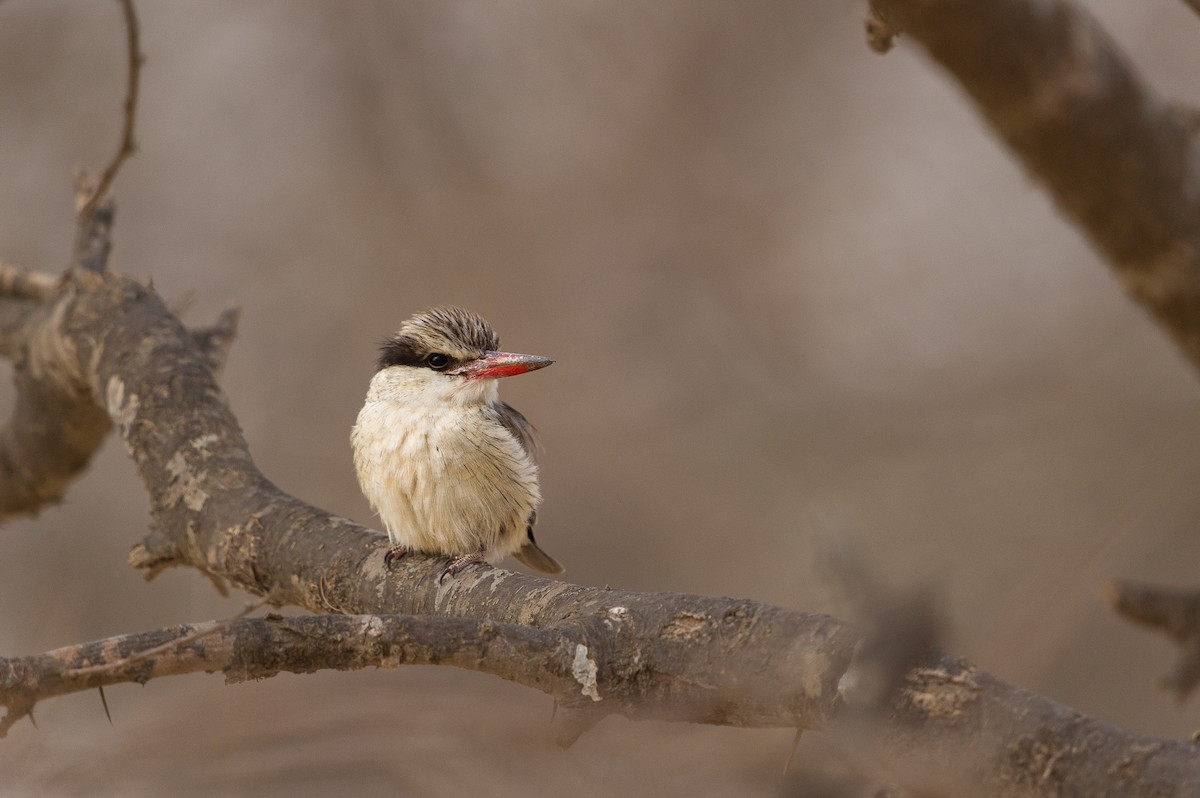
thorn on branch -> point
(792, 753)
(1174, 612)
(104, 701)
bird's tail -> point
(538, 560)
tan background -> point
(796, 293)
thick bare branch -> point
(1116, 158)
(642, 655)
(257, 648)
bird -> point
(450, 469)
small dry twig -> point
(170, 645)
(128, 145)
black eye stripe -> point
(400, 352)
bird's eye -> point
(437, 361)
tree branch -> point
(1117, 159)
(257, 648)
(641, 655)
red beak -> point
(494, 365)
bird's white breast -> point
(445, 476)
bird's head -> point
(449, 354)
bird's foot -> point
(395, 554)
(457, 564)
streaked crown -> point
(457, 334)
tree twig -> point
(140, 655)
(128, 144)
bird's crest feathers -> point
(459, 334)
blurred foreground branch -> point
(600, 652)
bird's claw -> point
(458, 564)
(395, 554)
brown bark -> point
(652, 655)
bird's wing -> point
(520, 428)
(530, 553)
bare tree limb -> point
(642, 655)
(710, 660)
(89, 201)
(1114, 156)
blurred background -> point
(796, 292)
